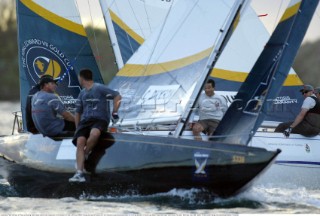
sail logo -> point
(158, 94)
(43, 65)
(40, 57)
(200, 161)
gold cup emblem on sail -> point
(46, 66)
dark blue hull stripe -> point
(297, 162)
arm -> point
(116, 103)
(299, 117)
(68, 116)
(77, 118)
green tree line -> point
(307, 63)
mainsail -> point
(158, 80)
(130, 22)
(253, 101)
(52, 41)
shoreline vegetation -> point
(307, 64)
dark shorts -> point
(209, 125)
(85, 126)
(69, 126)
(304, 128)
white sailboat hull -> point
(297, 165)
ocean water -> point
(259, 199)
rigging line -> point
(160, 33)
(278, 14)
(136, 18)
(149, 59)
(148, 17)
(176, 31)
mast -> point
(226, 33)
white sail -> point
(166, 68)
(130, 22)
(68, 11)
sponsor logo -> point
(158, 94)
(39, 58)
(200, 161)
(284, 100)
(307, 148)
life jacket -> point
(316, 108)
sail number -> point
(166, 0)
(238, 159)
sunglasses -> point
(304, 92)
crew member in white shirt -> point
(211, 108)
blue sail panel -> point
(127, 44)
(264, 82)
(51, 44)
(285, 105)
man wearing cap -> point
(307, 121)
(46, 106)
(317, 92)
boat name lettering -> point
(238, 159)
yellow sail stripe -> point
(55, 19)
(291, 11)
(291, 80)
(125, 27)
(133, 70)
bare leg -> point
(81, 143)
(92, 140)
(196, 130)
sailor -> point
(212, 107)
(92, 118)
(307, 121)
(48, 112)
(317, 92)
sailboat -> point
(132, 161)
(147, 164)
(299, 158)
